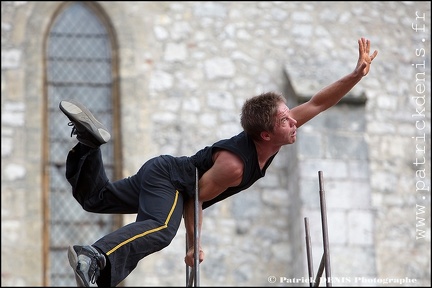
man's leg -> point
(86, 174)
(91, 187)
(84, 166)
(158, 219)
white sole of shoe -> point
(71, 108)
(73, 261)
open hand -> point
(365, 60)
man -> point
(161, 192)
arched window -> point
(79, 65)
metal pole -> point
(196, 231)
(189, 272)
(320, 271)
(191, 279)
(192, 275)
(309, 252)
(325, 230)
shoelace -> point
(96, 270)
(73, 132)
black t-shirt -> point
(243, 146)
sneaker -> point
(89, 131)
(87, 263)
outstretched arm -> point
(333, 93)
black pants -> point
(149, 193)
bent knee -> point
(166, 236)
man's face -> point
(285, 129)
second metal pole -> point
(309, 252)
(325, 230)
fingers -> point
(367, 46)
(189, 258)
(364, 47)
(374, 55)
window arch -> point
(79, 65)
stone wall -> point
(185, 70)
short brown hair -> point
(258, 113)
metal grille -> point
(78, 67)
